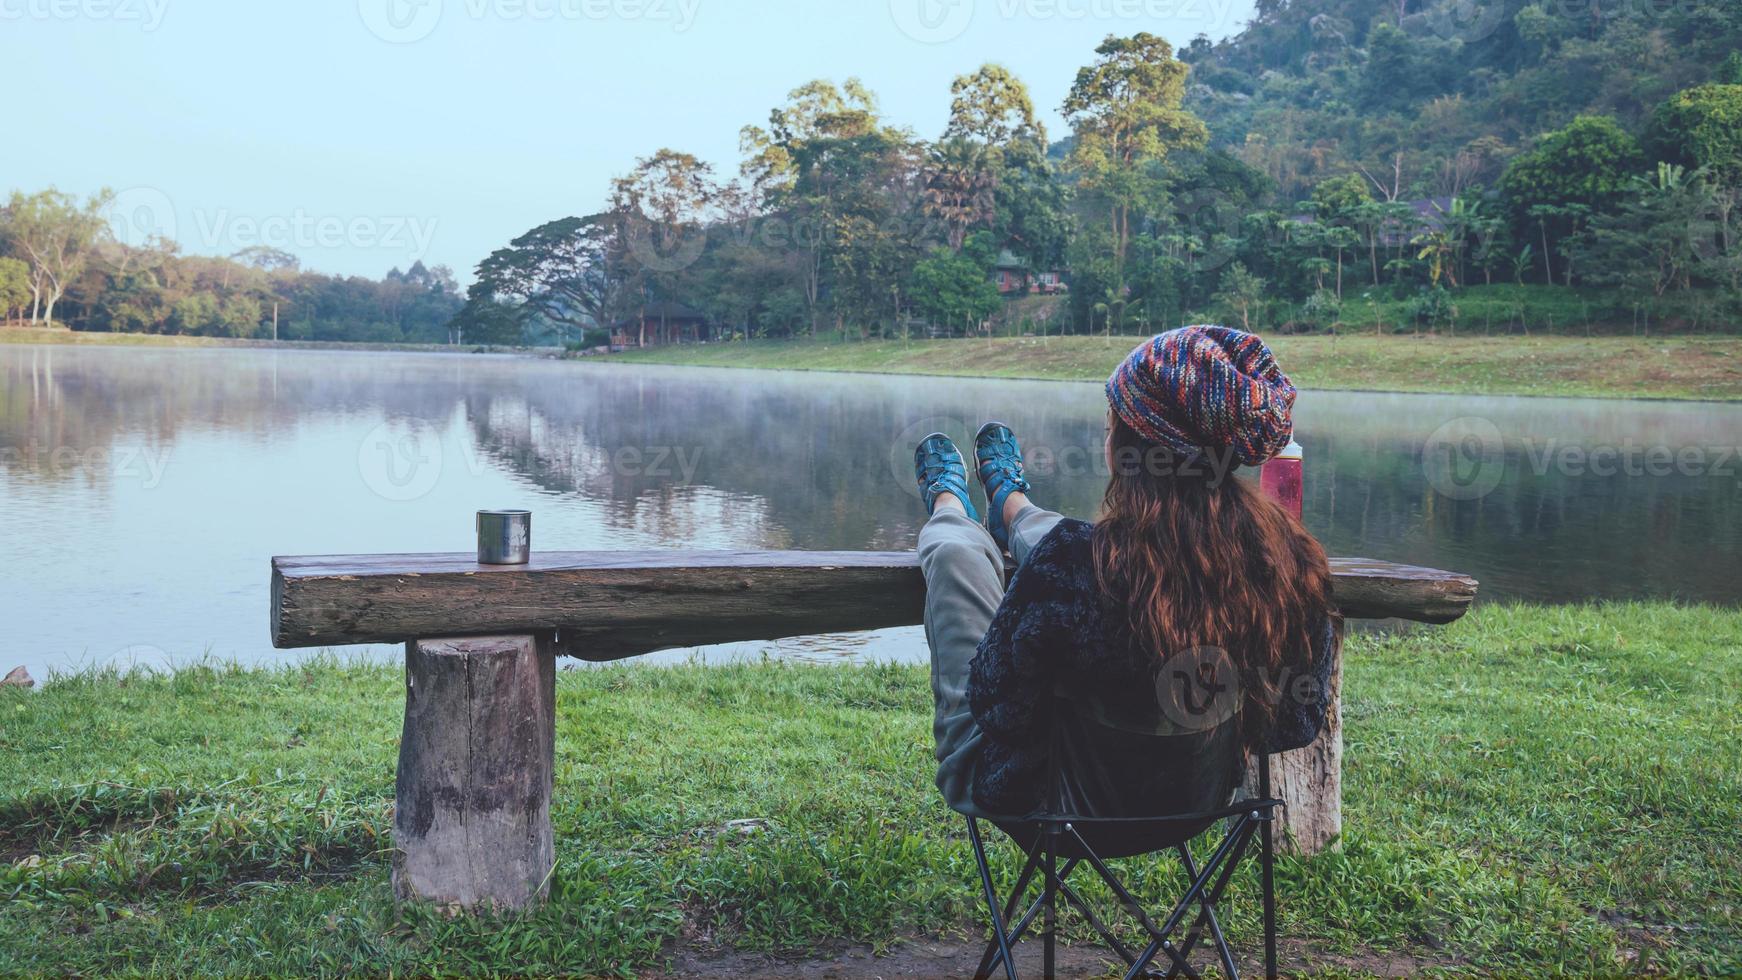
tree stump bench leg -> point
(1310, 781)
(471, 819)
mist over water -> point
(144, 490)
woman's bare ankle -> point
(1013, 505)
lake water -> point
(142, 491)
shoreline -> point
(1687, 369)
(1698, 369)
(87, 338)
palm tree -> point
(959, 181)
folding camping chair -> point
(1095, 813)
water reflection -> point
(144, 489)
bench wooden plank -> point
(606, 605)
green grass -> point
(1704, 368)
(1534, 789)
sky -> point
(361, 135)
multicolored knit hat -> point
(1205, 388)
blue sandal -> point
(938, 466)
(1000, 460)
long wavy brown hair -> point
(1197, 558)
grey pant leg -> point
(1027, 528)
(964, 581)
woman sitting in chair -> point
(1194, 615)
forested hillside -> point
(1316, 88)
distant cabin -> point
(1011, 275)
(662, 323)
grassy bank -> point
(59, 335)
(1621, 367)
(1532, 789)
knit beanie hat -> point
(1205, 388)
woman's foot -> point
(942, 474)
(1000, 467)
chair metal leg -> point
(1267, 860)
(991, 899)
(1206, 917)
(1048, 902)
(990, 955)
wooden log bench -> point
(472, 797)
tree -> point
(959, 184)
(1571, 173)
(662, 208)
(14, 287)
(992, 107)
(567, 271)
(56, 236)
(1701, 127)
(844, 186)
(268, 259)
(1127, 115)
(1654, 241)
(1335, 199)
(954, 289)
(1243, 293)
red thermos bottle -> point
(1280, 477)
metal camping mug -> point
(504, 537)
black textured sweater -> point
(1051, 631)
